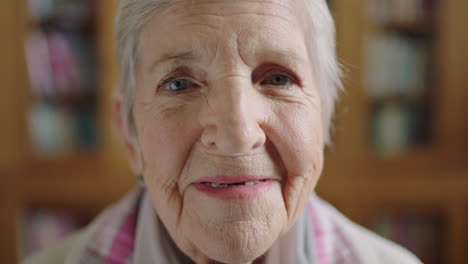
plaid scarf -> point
(113, 241)
(317, 238)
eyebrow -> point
(173, 57)
(286, 55)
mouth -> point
(226, 185)
(233, 188)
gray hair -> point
(134, 14)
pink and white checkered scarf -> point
(131, 233)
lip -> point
(234, 192)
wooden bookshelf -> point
(428, 179)
(84, 181)
(431, 179)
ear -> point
(134, 155)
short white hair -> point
(134, 14)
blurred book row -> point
(398, 76)
(396, 125)
(396, 65)
(61, 58)
(420, 233)
(407, 12)
(58, 130)
(60, 64)
(62, 13)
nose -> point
(231, 119)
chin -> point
(236, 256)
(240, 242)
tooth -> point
(249, 183)
(223, 185)
(214, 185)
(256, 182)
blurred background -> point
(399, 164)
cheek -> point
(298, 137)
(296, 133)
(165, 142)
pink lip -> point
(234, 192)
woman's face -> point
(228, 121)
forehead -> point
(281, 8)
(202, 24)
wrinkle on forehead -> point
(196, 3)
(282, 9)
(204, 18)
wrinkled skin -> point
(232, 116)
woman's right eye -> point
(177, 85)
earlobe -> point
(134, 156)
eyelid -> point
(272, 69)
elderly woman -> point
(225, 108)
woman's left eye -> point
(277, 79)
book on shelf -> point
(390, 129)
(406, 12)
(397, 126)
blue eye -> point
(177, 85)
(277, 79)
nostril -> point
(209, 144)
(232, 136)
(260, 138)
(208, 137)
(257, 145)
